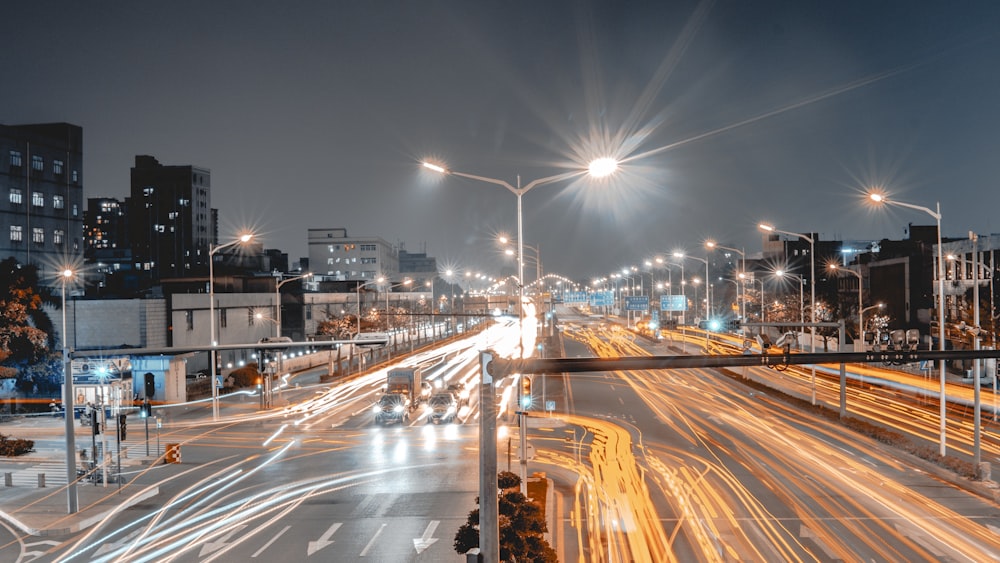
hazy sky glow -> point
(726, 114)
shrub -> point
(10, 447)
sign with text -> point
(602, 299)
(637, 303)
(673, 303)
(575, 297)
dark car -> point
(393, 407)
(442, 407)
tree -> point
(26, 331)
(522, 526)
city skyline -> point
(723, 115)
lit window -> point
(58, 202)
(15, 158)
(15, 196)
(38, 235)
(57, 236)
(147, 191)
(38, 199)
(57, 167)
(76, 177)
(37, 163)
(16, 233)
(76, 210)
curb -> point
(83, 523)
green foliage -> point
(44, 377)
(26, 332)
(246, 376)
(10, 447)
(522, 526)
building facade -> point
(339, 257)
(171, 218)
(41, 174)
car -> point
(460, 391)
(441, 407)
(392, 407)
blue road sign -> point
(673, 303)
(575, 297)
(637, 303)
(602, 299)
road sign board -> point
(575, 297)
(550, 405)
(673, 303)
(637, 303)
(601, 299)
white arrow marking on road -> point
(323, 540)
(217, 545)
(105, 548)
(425, 541)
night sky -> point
(725, 114)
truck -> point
(407, 381)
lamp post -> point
(861, 324)
(802, 283)
(599, 168)
(743, 268)
(879, 198)
(243, 239)
(708, 297)
(377, 281)
(812, 294)
(277, 299)
(68, 403)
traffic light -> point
(146, 410)
(525, 392)
(121, 427)
(149, 381)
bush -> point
(10, 447)
(246, 376)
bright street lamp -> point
(743, 268)
(69, 409)
(812, 296)
(277, 297)
(861, 324)
(598, 168)
(243, 239)
(708, 296)
(879, 198)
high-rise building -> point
(41, 176)
(171, 218)
(339, 257)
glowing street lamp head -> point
(766, 227)
(678, 255)
(246, 237)
(434, 167)
(710, 243)
(67, 273)
(876, 197)
(602, 167)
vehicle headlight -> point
(376, 408)
(397, 408)
(451, 409)
(428, 408)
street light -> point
(377, 281)
(879, 198)
(277, 299)
(812, 294)
(802, 282)
(68, 403)
(599, 168)
(743, 268)
(708, 296)
(861, 324)
(243, 239)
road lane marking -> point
(272, 540)
(323, 540)
(371, 542)
(425, 541)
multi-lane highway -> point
(679, 465)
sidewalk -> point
(44, 511)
